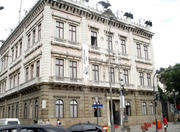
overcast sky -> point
(164, 14)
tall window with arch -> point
(97, 110)
(36, 109)
(128, 108)
(151, 112)
(59, 108)
(144, 111)
(73, 108)
(25, 110)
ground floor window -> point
(143, 108)
(128, 109)
(73, 108)
(59, 108)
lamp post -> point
(108, 13)
(121, 100)
(155, 103)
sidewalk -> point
(171, 128)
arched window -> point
(128, 109)
(36, 109)
(151, 111)
(73, 108)
(97, 110)
(25, 110)
(59, 108)
(144, 108)
(9, 111)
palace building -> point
(64, 55)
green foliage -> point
(170, 77)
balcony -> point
(143, 60)
(66, 80)
(10, 91)
(30, 83)
(145, 87)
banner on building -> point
(85, 57)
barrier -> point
(105, 128)
(159, 125)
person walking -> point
(165, 124)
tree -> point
(170, 77)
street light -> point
(154, 92)
(108, 13)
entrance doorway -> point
(116, 111)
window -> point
(96, 72)
(123, 46)
(25, 110)
(138, 50)
(59, 109)
(151, 108)
(39, 32)
(60, 30)
(144, 108)
(20, 47)
(146, 52)
(128, 109)
(17, 110)
(32, 71)
(73, 109)
(60, 67)
(12, 49)
(109, 40)
(93, 38)
(73, 69)
(12, 114)
(141, 76)
(34, 36)
(27, 74)
(149, 79)
(16, 51)
(37, 68)
(36, 109)
(18, 78)
(72, 31)
(126, 77)
(29, 41)
(112, 77)
(9, 111)
(97, 110)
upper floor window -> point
(144, 111)
(60, 30)
(20, 47)
(126, 77)
(72, 33)
(60, 67)
(73, 69)
(109, 40)
(93, 38)
(141, 77)
(95, 69)
(73, 109)
(112, 76)
(59, 108)
(29, 41)
(34, 36)
(27, 73)
(39, 32)
(16, 51)
(12, 50)
(149, 79)
(123, 46)
(146, 52)
(37, 68)
(138, 50)
(32, 71)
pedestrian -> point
(58, 123)
(165, 124)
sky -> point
(164, 14)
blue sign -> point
(97, 105)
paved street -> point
(171, 128)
